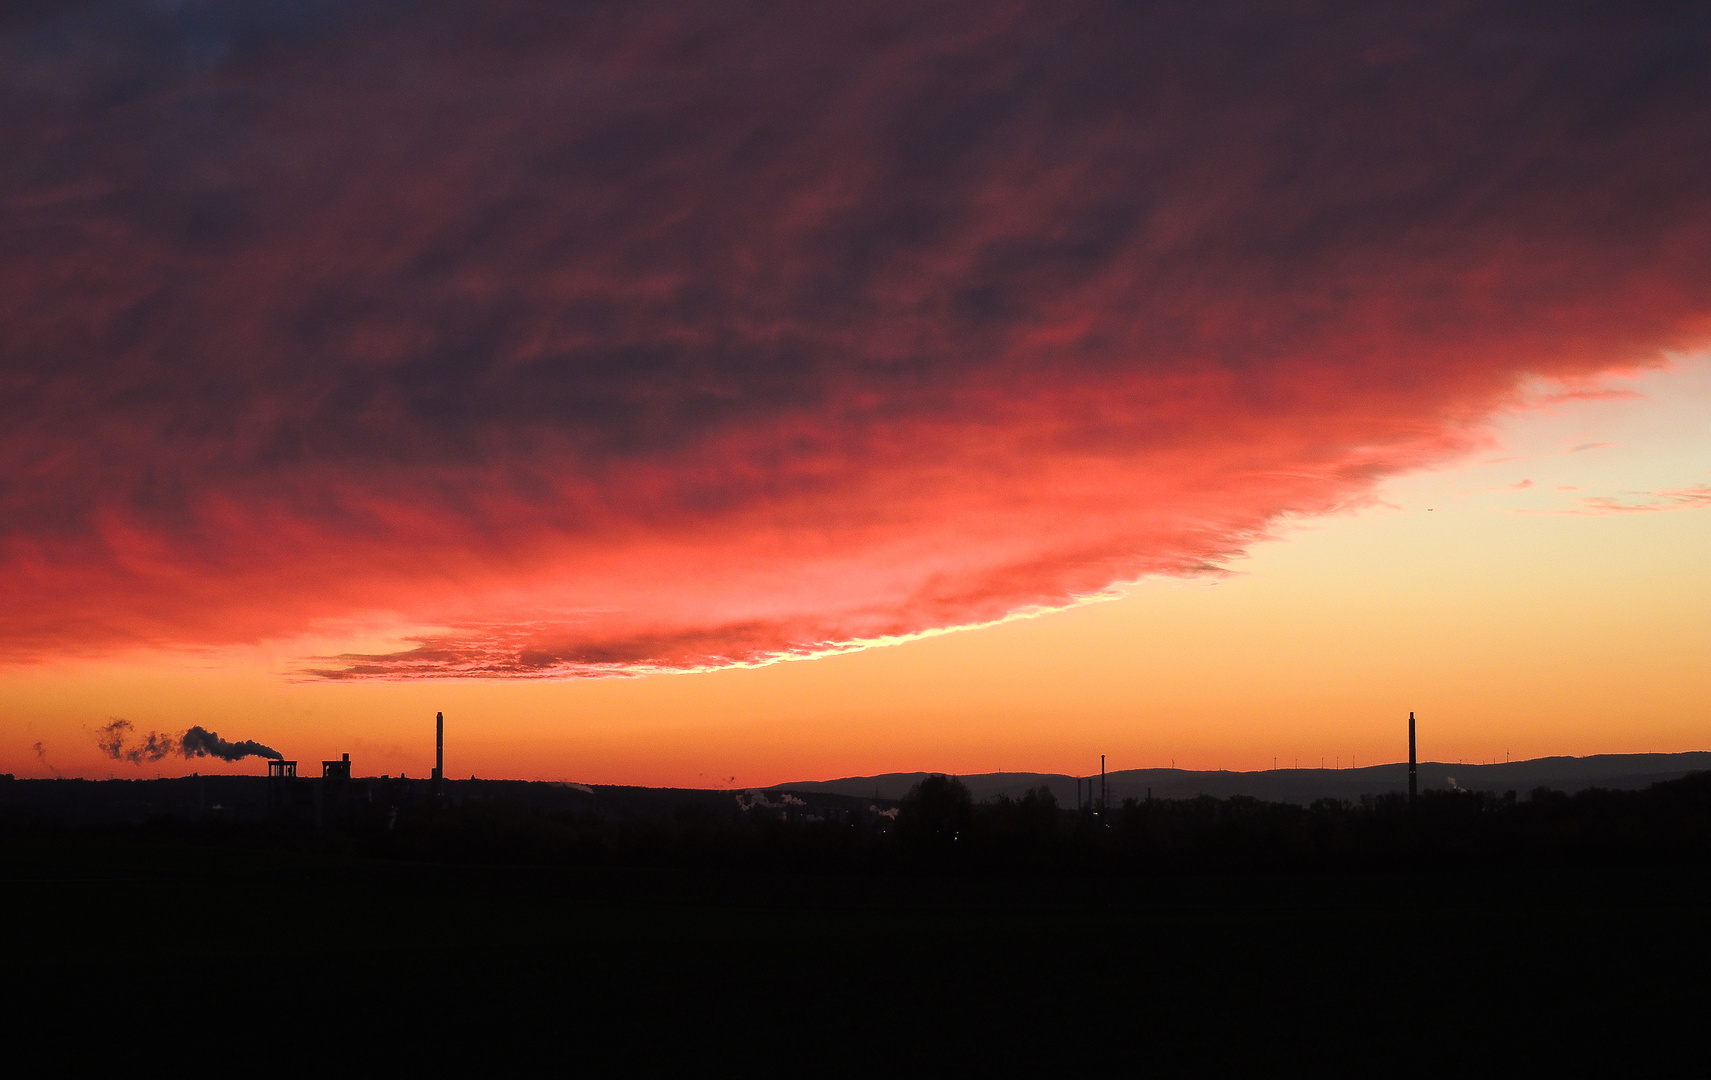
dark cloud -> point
(598, 337)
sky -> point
(705, 396)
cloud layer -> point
(601, 338)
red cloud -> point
(594, 340)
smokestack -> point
(1413, 791)
(439, 750)
(1102, 800)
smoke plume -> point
(112, 738)
(42, 756)
(195, 743)
(200, 742)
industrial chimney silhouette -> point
(438, 752)
(1413, 792)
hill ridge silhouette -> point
(1560, 772)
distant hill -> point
(88, 802)
(1570, 774)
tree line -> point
(938, 827)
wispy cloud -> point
(1561, 397)
(1642, 502)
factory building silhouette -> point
(292, 796)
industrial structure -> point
(1413, 791)
(439, 753)
(1096, 801)
(293, 796)
(290, 795)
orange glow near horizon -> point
(1513, 617)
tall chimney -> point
(438, 752)
(1103, 801)
(1413, 791)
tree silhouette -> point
(935, 811)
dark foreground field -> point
(284, 960)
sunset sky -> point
(729, 394)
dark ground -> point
(248, 957)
